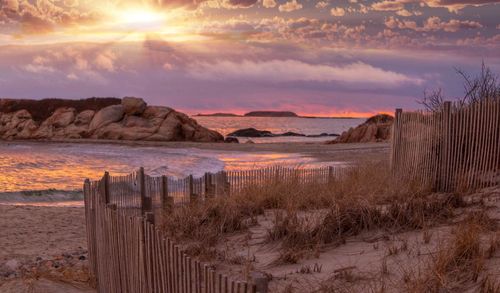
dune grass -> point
(309, 215)
(460, 261)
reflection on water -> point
(37, 166)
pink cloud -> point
(290, 6)
(292, 70)
(433, 23)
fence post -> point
(149, 217)
(90, 219)
(191, 194)
(443, 175)
(193, 197)
(330, 174)
(145, 201)
(226, 184)
(208, 185)
(166, 200)
(261, 282)
(106, 187)
(395, 137)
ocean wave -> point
(45, 195)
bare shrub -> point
(484, 86)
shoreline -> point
(320, 151)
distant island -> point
(267, 114)
(271, 114)
(218, 115)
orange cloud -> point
(43, 16)
(433, 23)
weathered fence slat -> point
(454, 149)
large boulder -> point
(55, 124)
(62, 117)
(80, 126)
(179, 127)
(26, 129)
(374, 129)
(17, 125)
(135, 121)
(156, 114)
(133, 106)
(84, 117)
(5, 120)
(107, 116)
(170, 129)
(251, 132)
(231, 139)
(117, 131)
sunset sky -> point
(318, 57)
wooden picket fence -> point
(129, 253)
(455, 149)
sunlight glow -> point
(140, 19)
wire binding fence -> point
(128, 253)
(454, 149)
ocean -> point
(41, 172)
(307, 126)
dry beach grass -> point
(345, 235)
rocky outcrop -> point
(374, 129)
(133, 106)
(231, 139)
(252, 132)
(133, 119)
(40, 110)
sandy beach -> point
(44, 249)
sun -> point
(139, 19)
(136, 23)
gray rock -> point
(52, 126)
(84, 117)
(135, 121)
(170, 129)
(251, 132)
(231, 139)
(133, 106)
(116, 131)
(141, 123)
(107, 116)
